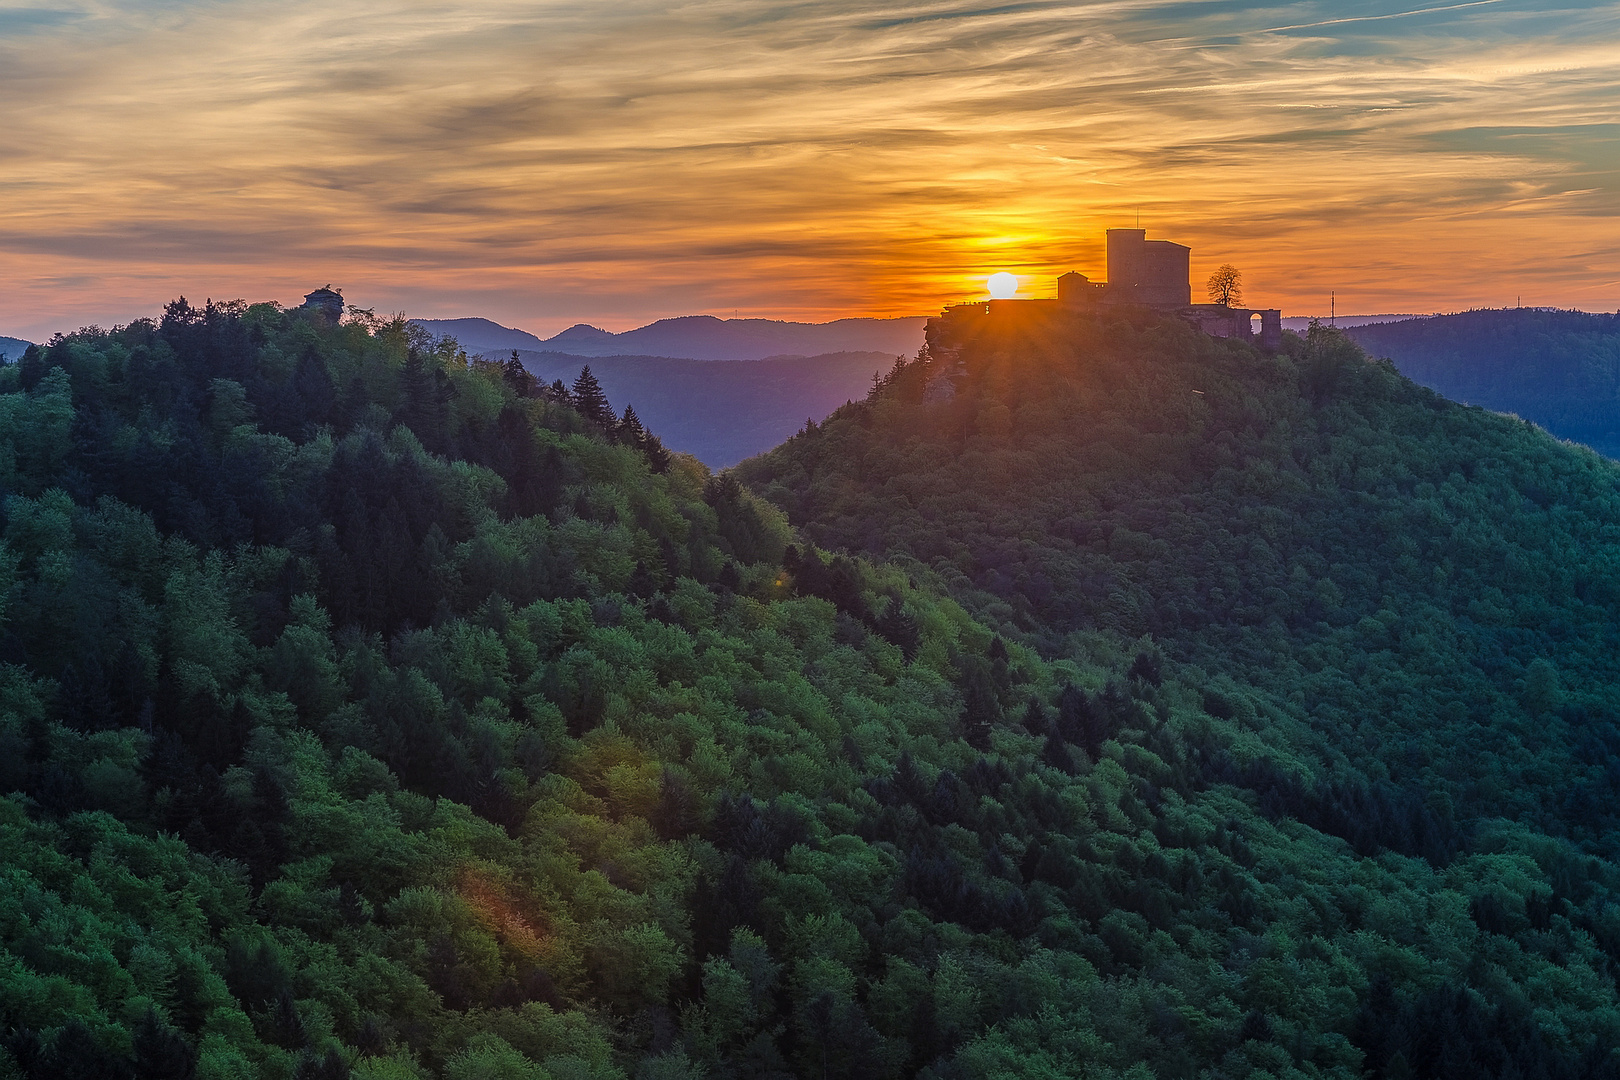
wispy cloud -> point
(562, 160)
(1380, 18)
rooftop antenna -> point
(1333, 309)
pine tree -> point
(630, 432)
(980, 710)
(675, 815)
(589, 400)
(415, 389)
(161, 1053)
(517, 377)
(899, 629)
(1034, 717)
(425, 395)
(657, 456)
(642, 583)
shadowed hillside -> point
(1559, 369)
(1288, 518)
(1422, 590)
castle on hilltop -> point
(1155, 273)
(1142, 272)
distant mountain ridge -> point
(480, 335)
(722, 411)
(1302, 323)
(695, 337)
(1558, 369)
(11, 349)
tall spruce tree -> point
(589, 400)
(631, 432)
(425, 394)
(516, 376)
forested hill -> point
(1560, 369)
(1425, 592)
(1313, 522)
(369, 711)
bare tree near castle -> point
(1226, 285)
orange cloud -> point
(545, 163)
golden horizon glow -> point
(557, 162)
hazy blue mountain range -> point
(1559, 369)
(696, 337)
(1301, 323)
(11, 349)
(722, 411)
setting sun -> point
(1003, 285)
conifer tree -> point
(161, 1053)
(980, 710)
(516, 376)
(589, 400)
(657, 456)
(642, 583)
(1034, 717)
(425, 394)
(630, 432)
(415, 384)
(899, 629)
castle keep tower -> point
(1156, 273)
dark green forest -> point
(1559, 369)
(369, 711)
(1402, 609)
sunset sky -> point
(615, 162)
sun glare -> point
(1003, 285)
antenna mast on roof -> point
(1333, 309)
